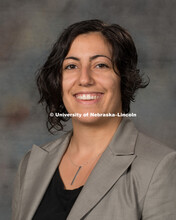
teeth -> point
(87, 97)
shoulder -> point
(153, 172)
(150, 154)
(154, 162)
(46, 147)
(151, 150)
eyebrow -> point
(90, 59)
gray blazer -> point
(135, 178)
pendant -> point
(76, 175)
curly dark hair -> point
(124, 54)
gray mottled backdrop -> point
(27, 31)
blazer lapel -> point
(41, 167)
(116, 159)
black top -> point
(57, 201)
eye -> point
(70, 67)
(102, 65)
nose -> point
(85, 77)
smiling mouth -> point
(88, 96)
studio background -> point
(28, 30)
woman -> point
(104, 168)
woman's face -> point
(90, 84)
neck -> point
(92, 139)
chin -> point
(93, 121)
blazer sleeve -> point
(160, 201)
(17, 186)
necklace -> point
(80, 166)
